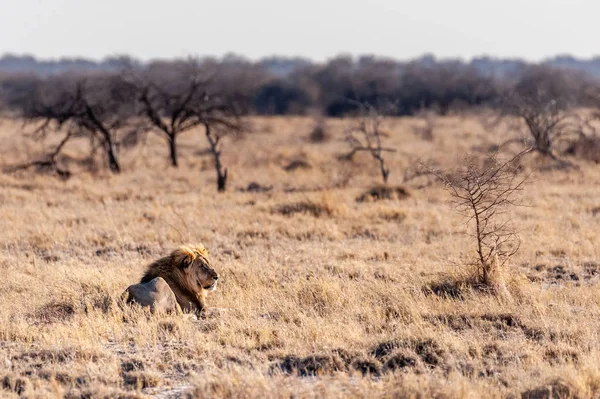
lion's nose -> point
(215, 278)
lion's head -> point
(194, 262)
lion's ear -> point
(186, 262)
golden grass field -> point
(320, 295)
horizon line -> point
(8, 54)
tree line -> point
(296, 86)
(114, 108)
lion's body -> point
(155, 294)
(188, 273)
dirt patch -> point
(310, 366)
(557, 356)
(367, 367)
(65, 379)
(132, 365)
(18, 385)
(498, 324)
(53, 312)
(458, 322)
(503, 321)
(339, 360)
(559, 272)
(95, 297)
(102, 393)
(572, 274)
(506, 322)
(57, 356)
(138, 380)
(254, 187)
(253, 234)
(108, 252)
(449, 289)
(590, 270)
(303, 207)
(556, 389)
(392, 215)
(319, 134)
(401, 360)
(381, 193)
(408, 353)
(297, 164)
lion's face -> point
(203, 274)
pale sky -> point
(316, 29)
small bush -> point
(319, 133)
(585, 148)
(380, 193)
(304, 207)
(53, 312)
(297, 164)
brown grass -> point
(321, 295)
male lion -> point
(188, 273)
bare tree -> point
(220, 120)
(98, 107)
(366, 135)
(541, 99)
(484, 191)
(178, 97)
(169, 95)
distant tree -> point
(98, 106)
(541, 99)
(366, 135)
(280, 98)
(440, 86)
(177, 97)
(16, 89)
(169, 94)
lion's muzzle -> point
(213, 286)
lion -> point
(188, 272)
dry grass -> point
(321, 295)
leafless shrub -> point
(381, 192)
(98, 107)
(418, 175)
(254, 187)
(319, 133)
(541, 100)
(484, 191)
(367, 136)
(53, 312)
(557, 388)
(304, 207)
(297, 164)
(426, 127)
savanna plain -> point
(321, 295)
